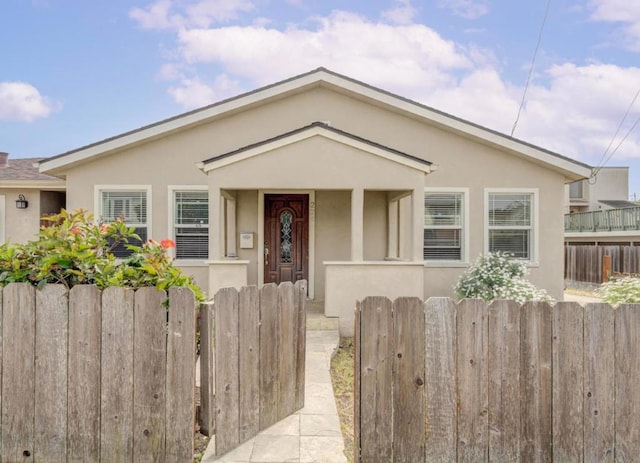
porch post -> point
(216, 210)
(357, 225)
(417, 224)
(230, 198)
(392, 240)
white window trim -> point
(533, 260)
(97, 201)
(464, 258)
(172, 189)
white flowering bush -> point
(498, 276)
(621, 290)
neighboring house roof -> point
(617, 204)
(572, 170)
(311, 130)
(20, 173)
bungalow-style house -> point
(322, 177)
(25, 196)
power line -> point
(635, 124)
(533, 61)
(601, 164)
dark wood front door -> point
(286, 238)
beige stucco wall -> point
(330, 169)
(21, 225)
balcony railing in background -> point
(603, 221)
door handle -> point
(266, 255)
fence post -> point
(606, 268)
(207, 370)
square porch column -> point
(216, 223)
(417, 224)
(357, 225)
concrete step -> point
(316, 320)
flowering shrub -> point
(498, 276)
(621, 290)
(75, 250)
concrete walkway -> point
(311, 434)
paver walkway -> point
(311, 434)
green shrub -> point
(74, 249)
(621, 290)
(498, 276)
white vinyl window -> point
(129, 204)
(444, 225)
(191, 224)
(511, 217)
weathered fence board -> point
(408, 380)
(584, 262)
(269, 354)
(251, 351)
(116, 387)
(180, 400)
(207, 370)
(84, 374)
(227, 388)
(376, 361)
(249, 361)
(627, 392)
(18, 372)
(599, 375)
(535, 382)
(300, 295)
(471, 363)
(568, 396)
(50, 443)
(441, 384)
(504, 381)
(287, 357)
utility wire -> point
(635, 124)
(533, 61)
(603, 161)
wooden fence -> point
(471, 382)
(584, 262)
(252, 360)
(96, 376)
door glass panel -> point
(286, 220)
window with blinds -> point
(191, 224)
(130, 206)
(510, 223)
(443, 225)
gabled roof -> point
(315, 129)
(20, 173)
(571, 169)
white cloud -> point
(403, 13)
(625, 12)
(194, 93)
(20, 101)
(176, 14)
(407, 58)
(469, 9)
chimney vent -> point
(4, 159)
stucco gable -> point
(572, 170)
(315, 129)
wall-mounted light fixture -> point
(21, 203)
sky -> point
(73, 72)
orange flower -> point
(167, 243)
(104, 228)
(75, 231)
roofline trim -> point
(309, 131)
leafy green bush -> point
(621, 290)
(498, 276)
(74, 249)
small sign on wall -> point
(246, 240)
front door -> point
(286, 237)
